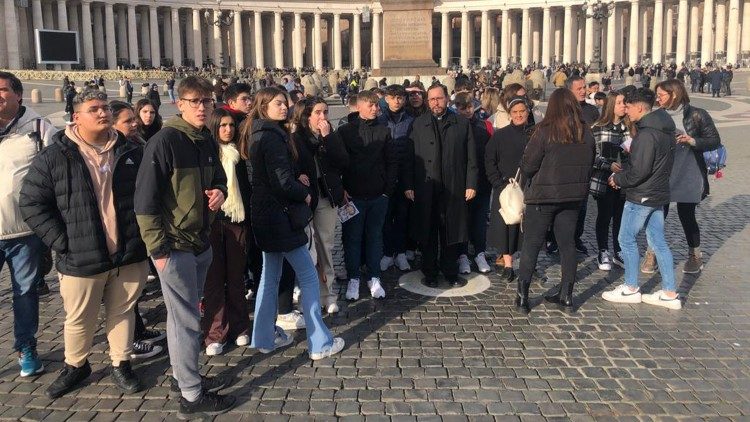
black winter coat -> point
(458, 173)
(59, 204)
(275, 187)
(558, 172)
(503, 156)
(325, 179)
(700, 126)
(645, 177)
(481, 139)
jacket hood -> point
(195, 134)
(657, 119)
(28, 117)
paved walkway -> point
(416, 357)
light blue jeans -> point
(634, 218)
(266, 304)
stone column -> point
(165, 30)
(100, 52)
(357, 41)
(377, 46)
(668, 27)
(733, 32)
(287, 34)
(278, 47)
(36, 14)
(657, 31)
(504, 37)
(109, 30)
(745, 44)
(154, 34)
(122, 33)
(197, 38)
(132, 36)
(239, 48)
(525, 37)
(176, 38)
(546, 36)
(612, 38)
(88, 37)
(721, 22)
(557, 34)
(217, 41)
(145, 37)
(62, 15)
(258, 39)
(633, 37)
(493, 37)
(707, 44)
(483, 39)
(11, 35)
(49, 20)
(645, 30)
(536, 47)
(568, 35)
(337, 41)
(588, 53)
(318, 44)
(682, 32)
(513, 35)
(445, 40)
(694, 27)
(465, 39)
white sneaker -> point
(332, 308)
(410, 255)
(604, 261)
(214, 349)
(328, 351)
(376, 290)
(622, 294)
(150, 278)
(295, 294)
(242, 340)
(282, 339)
(249, 294)
(658, 298)
(402, 262)
(352, 290)
(386, 262)
(291, 321)
(464, 266)
(482, 264)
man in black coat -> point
(442, 179)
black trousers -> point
(537, 218)
(581, 221)
(609, 208)
(437, 250)
(686, 212)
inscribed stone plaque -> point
(407, 33)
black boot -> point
(70, 377)
(522, 297)
(554, 295)
(125, 379)
(566, 297)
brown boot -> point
(648, 265)
(499, 261)
(694, 264)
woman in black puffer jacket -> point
(279, 213)
(558, 161)
(688, 183)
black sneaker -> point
(552, 248)
(581, 248)
(617, 259)
(143, 350)
(69, 378)
(42, 289)
(209, 404)
(457, 282)
(209, 384)
(151, 336)
(125, 379)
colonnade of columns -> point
(117, 34)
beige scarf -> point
(232, 206)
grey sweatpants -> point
(182, 281)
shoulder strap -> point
(490, 128)
(38, 134)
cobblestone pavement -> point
(413, 357)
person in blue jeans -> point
(645, 179)
(279, 213)
(23, 133)
(365, 153)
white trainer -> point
(295, 294)
(658, 298)
(604, 261)
(622, 294)
(332, 308)
(376, 290)
(464, 266)
(482, 265)
(352, 290)
(282, 340)
(291, 321)
(328, 351)
(214, 349)
(386, 262)
(402, 262)
(242, 340)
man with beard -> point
(441, 179)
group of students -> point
(256, 185)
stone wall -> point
(109, 75)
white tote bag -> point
(511, 201)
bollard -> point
(36, 96)
(59, 97)
(123, 92)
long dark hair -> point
(147, 131)
(563, 121)
(302, 112)
(260, 111)
(214, 123)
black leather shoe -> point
(209, 404)
(508, 274)
(210, 384)
(566, 298)
(553, 296)
(430, 282)
(125, 379)
(457, 282)
(69, 378)
(522, 297)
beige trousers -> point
(82, 297)
(324, 220)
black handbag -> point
(299, 214)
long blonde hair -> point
(608, 114)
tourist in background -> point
(155, 97)
(557, 160)
(148, 118)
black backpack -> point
(45, 257)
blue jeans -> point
(634, 218)
(22, 255)
(170, 92)
(366, 227)
(266, 304)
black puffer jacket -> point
(324, 178)
(275, 187)
(645, 177)
(558, 172)
(700, 126)
(58, 202)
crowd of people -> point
(223, 203)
